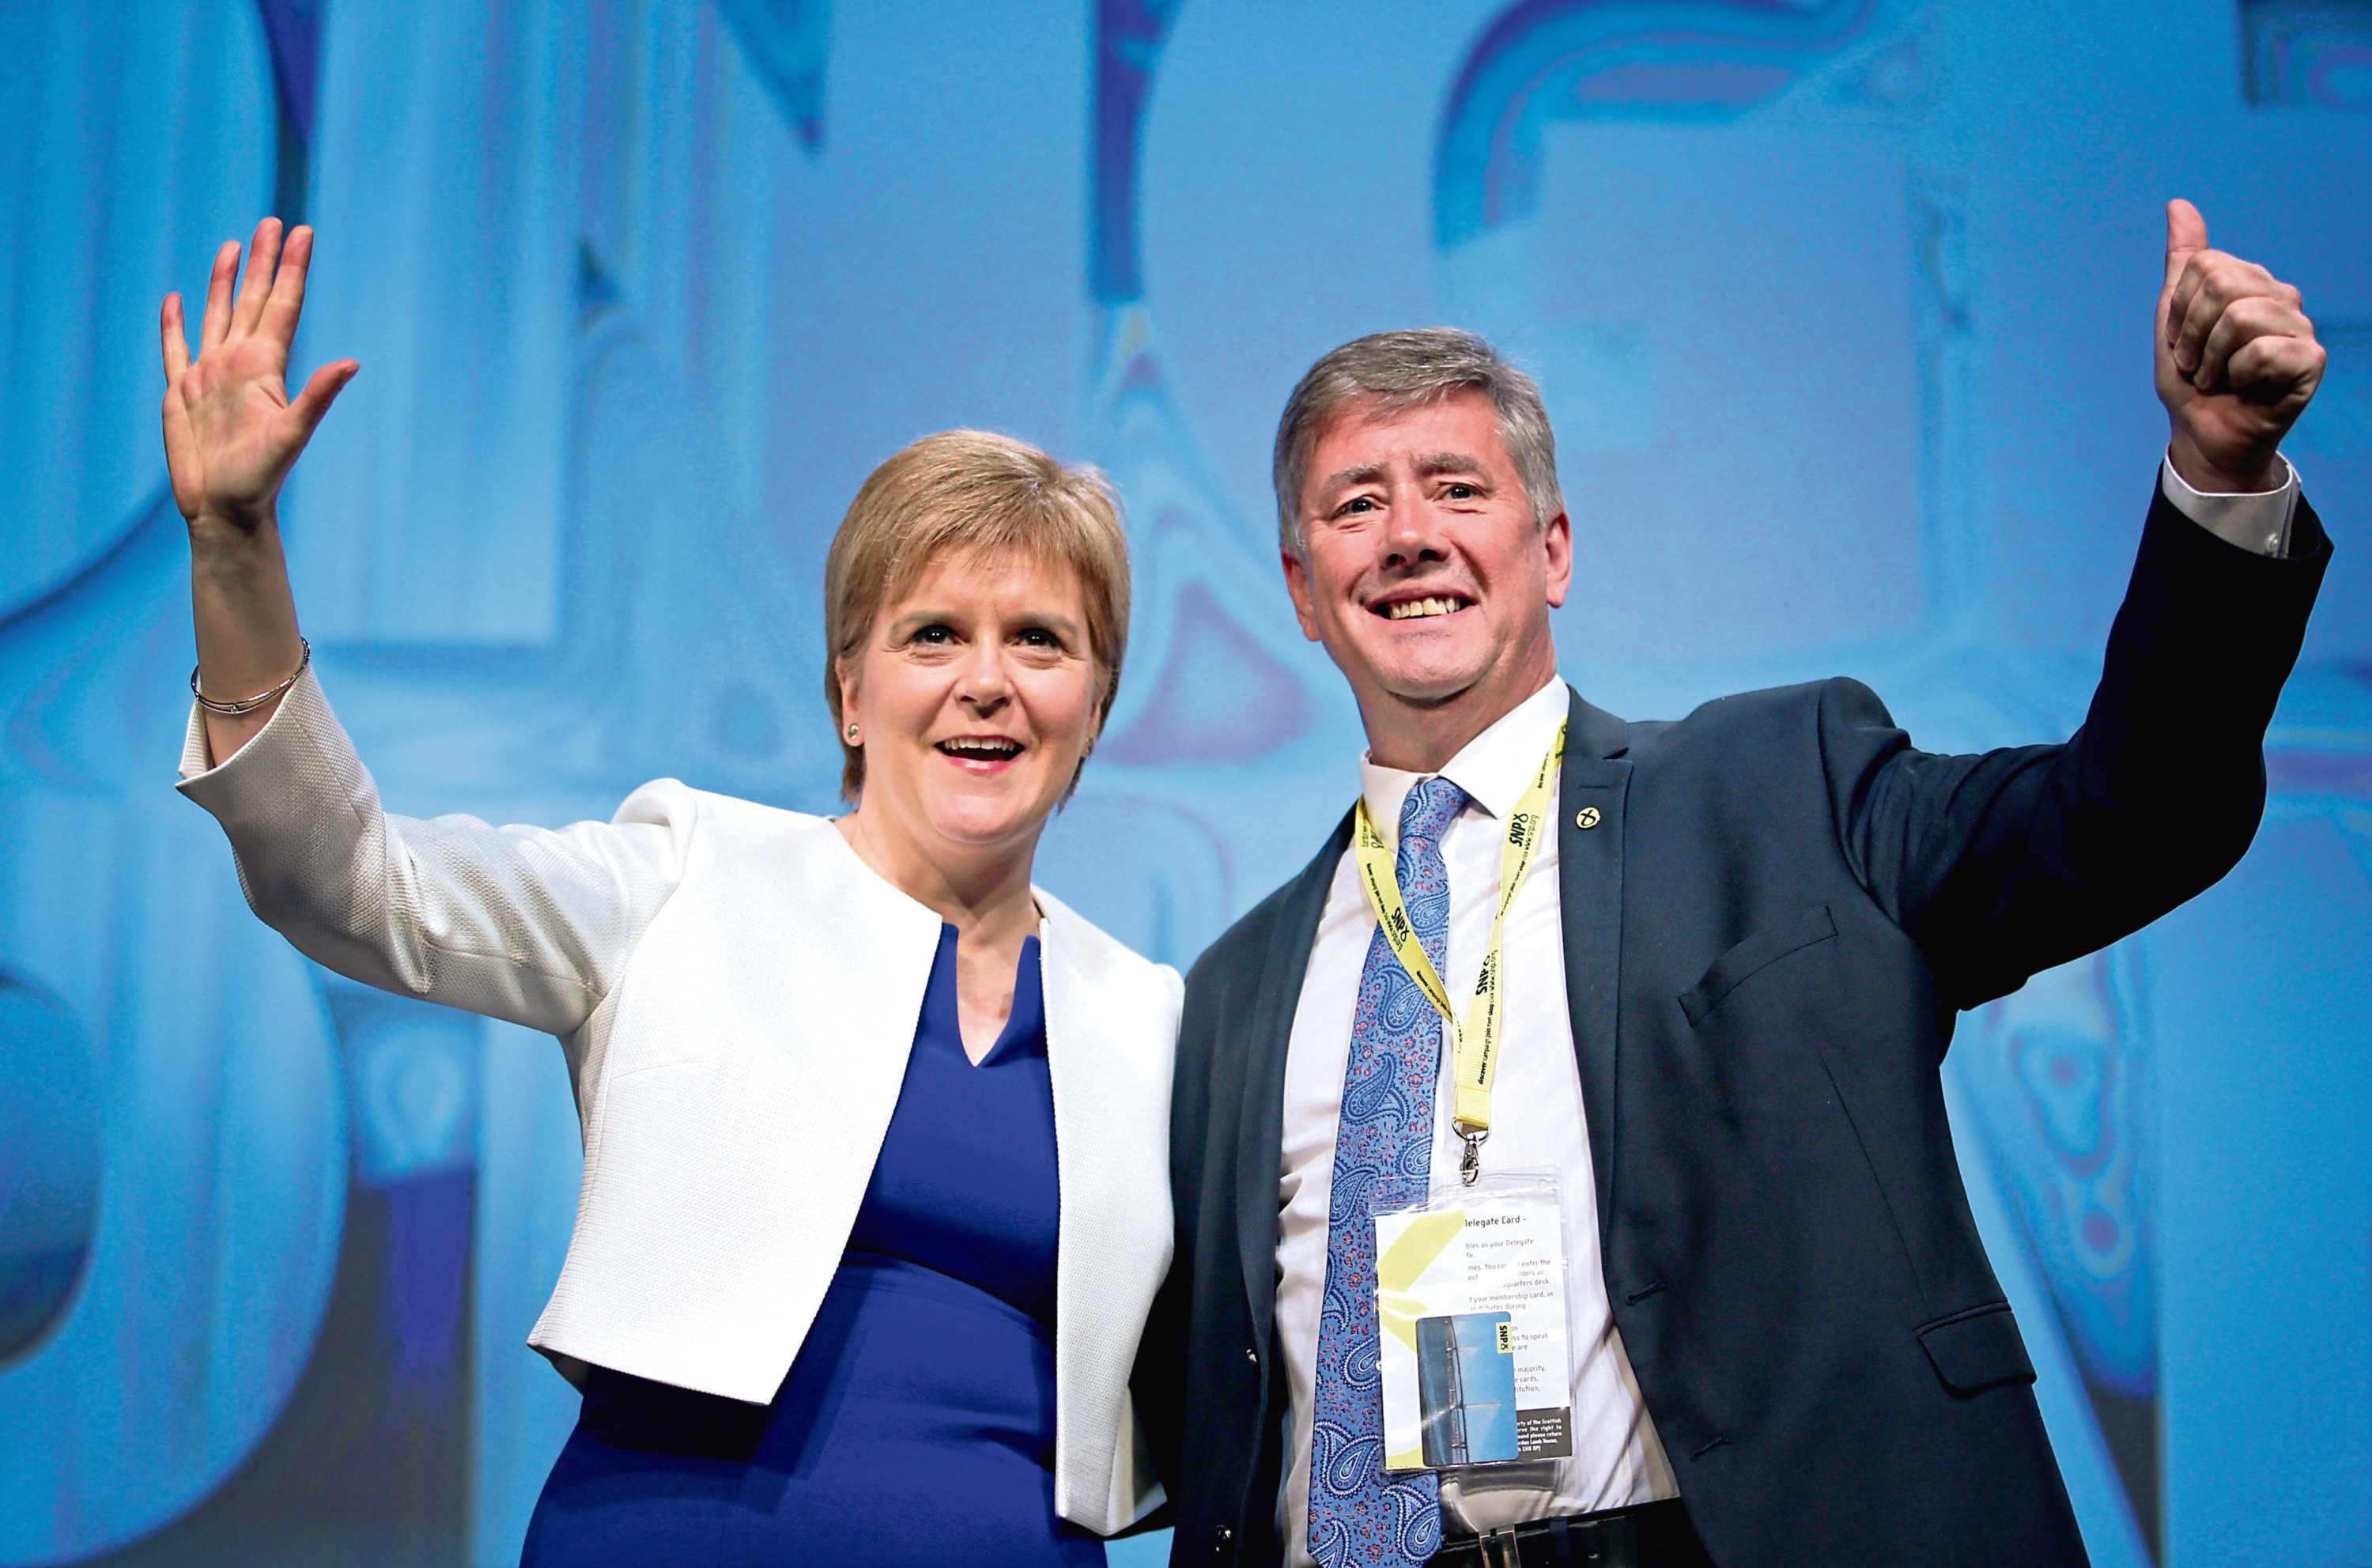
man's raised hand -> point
(2236, 360)
(231, 432)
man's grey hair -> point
(1392, 371)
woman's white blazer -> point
(736, 992)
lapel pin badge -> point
(1586, 819)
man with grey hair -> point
(1712, 967)
(1392, 372)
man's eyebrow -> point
(1449, 462)
(1361, 473)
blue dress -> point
(917, 1424)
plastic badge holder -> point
(1474, 1316)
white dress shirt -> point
(1536, 1112)
(1536, 1119)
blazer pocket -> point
(1791, 934)
(1977, 1349)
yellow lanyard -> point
(1476, 1042)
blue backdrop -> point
(1842, 309)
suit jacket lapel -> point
(1260, 1136)
(1596, 786)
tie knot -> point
(1430, 808)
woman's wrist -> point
(246, 617)
(236, 529)
(241, 568)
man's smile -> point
(1421, 607)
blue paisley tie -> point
(1383, 1156)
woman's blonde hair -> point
(971, 490)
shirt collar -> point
(1493, 769)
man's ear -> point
(1297, 583)
(1557, 540)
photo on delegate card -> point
(1466, 1384)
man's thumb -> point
(2186, 234)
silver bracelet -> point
(248, 704)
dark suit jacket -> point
(1767, 934)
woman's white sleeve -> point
(527, 924)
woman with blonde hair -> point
(876, 1133)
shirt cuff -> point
(2256, 521)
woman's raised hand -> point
(231, 432)
(230, 435)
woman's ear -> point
(848, 719)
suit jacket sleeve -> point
(526, 924)
(2007, 862)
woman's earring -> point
(852, 735)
